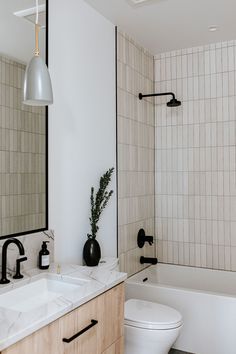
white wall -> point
(82, 135)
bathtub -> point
(206, 298)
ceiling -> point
(16, 33)
(165, 25)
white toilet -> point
(150, 328)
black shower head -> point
(173, 103)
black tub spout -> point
(144, 260)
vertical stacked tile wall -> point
(136, 151)
(195, 157)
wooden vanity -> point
(94, 328)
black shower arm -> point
(157, 95)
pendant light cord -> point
(37, 12)
(36, 53)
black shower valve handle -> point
(142, 238)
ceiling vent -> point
(141, 2)
(136, 2)
(30, 15)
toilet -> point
(150, 328)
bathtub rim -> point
(130, 280)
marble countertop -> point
(15, 325)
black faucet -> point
(4, 279)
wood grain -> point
(116, 348)
(113, 322)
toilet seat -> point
(150, 315)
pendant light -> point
(37, 81)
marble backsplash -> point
(32, 244)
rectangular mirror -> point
(23, 129)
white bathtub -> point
(206, 298)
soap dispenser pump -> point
(44, 256)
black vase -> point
(92, 252)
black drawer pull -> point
(68, 340)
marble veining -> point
(175, 351)
(15, 325)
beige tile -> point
(195, 160)
(20, 140)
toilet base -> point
(143, 341)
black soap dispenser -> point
(44, 256)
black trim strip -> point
(117, 195)
(46, 125)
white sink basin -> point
(37, 293)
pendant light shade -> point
(37, 84)
(37, 81)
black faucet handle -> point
(21, 259)
(18, 274)
(142, 238)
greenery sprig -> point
(99, 202)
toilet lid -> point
(150, 315)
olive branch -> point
(99, 203)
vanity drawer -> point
(108, 312)
(94, 328)
(82, 336)
(113, 320)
